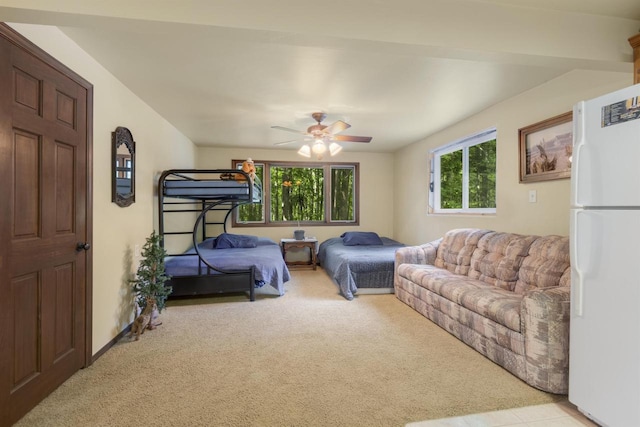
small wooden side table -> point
(311, 244)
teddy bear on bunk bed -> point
(249, 168)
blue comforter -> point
(266, 257)
(353, 267)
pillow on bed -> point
(362, 238)
(208, 243)
(228, 241)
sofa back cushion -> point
(455, 250)
(498, 258)
(546, 265)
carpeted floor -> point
(308, 358)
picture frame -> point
(546, 148)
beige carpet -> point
(309, 358)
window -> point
(304, 193)
(463, 175)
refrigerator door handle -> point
(575, 170)
(576, 279)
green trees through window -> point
(322, 193)
(482, 175)
(464, 175)
(343, 194)
(252, 212)
(297, 194)
(451, 180)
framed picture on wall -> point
(546, 149)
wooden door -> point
(44, 211)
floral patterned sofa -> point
(506, 295)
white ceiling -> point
(223, 72)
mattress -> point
(266, 257)
(210, 189)
(358, 267)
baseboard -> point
(375, 291)
(110, 344)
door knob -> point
(83, 246)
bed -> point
(265, 258)
(206, 198)
(211, 189)
(359, 268)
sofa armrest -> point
(545, 324)
(422, 254)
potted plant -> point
(151, 277)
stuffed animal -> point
(249, 168)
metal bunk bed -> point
(202, 192)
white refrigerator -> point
(604, 357)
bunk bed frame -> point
(202, 191)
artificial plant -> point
(151, 277)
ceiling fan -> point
(323, 135)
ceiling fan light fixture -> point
(319, 147)
(321, 137)
(305, 151)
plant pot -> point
(298, 234)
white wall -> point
(376, 189)
(117, 230)
(550, 215)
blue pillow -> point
(209, 243)
(362, 238)
(228, 241)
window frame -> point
(462, 144)
(266, 194)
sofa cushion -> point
(443, 282)
(497, 304)
(455, 250)
(546, 265)
(498, 258)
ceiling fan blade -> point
(351, 138)
(336, 127)
(286, 142)
(288, 129)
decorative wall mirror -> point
(123, 161)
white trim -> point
(432, 189)
(467, 141)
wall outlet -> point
(136, 251)
(533, 196)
